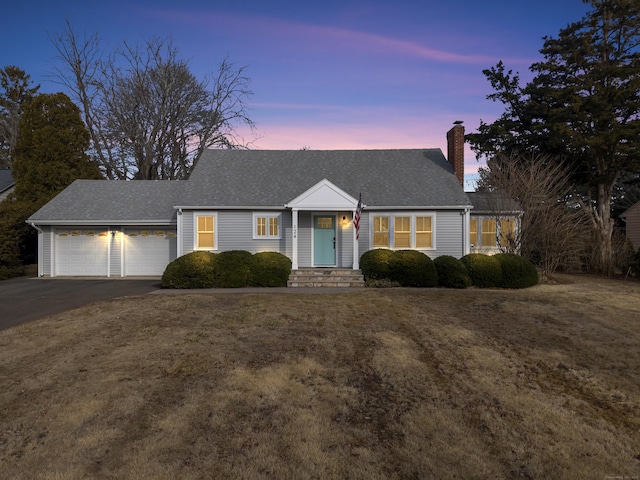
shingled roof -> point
(386, 178)
(263, 178)
(106, 202)
(493, 203)
(6, 179)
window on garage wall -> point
(205, 231)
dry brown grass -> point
(538, 383)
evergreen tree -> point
(51, 149)
(49, 154)
(582, 106)
(15, 92)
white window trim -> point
(216, 228)
(267, 215)
(412, 215)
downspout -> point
(179, 233)
(40, 249)
(466, 247)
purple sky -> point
(324, 75)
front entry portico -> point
(325, 203)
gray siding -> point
(449, 234)
(345, 241)
(305, 232)
(363, 238)
(46, 251)
(235, 232)
(633, 225)
(188, 234)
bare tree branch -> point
(149, 116)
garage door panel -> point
(148, 252)
(81, 252)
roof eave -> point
(229, 207)
(100, 222)
(419, 207)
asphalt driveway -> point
(24, 299)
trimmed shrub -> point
(452, 273)
(193, 270)
(411, 268)
(485, 271)
(517, 271)
(232, 269)
(269, 269)
(375, 264)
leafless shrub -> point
(553, 229)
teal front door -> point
(324, 241)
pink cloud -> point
(317, 36)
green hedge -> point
(231, 269)
(375, 264)
(269, 269)
(517, 271)
(408, 268)
(193, 270)
(485, 270)
(452, 273)
(411, 268)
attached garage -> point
(81, 252)
(147, 252)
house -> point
(631, 217)
(6, 183)
(494, 222)
(300, 203)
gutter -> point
(94, 223)
(35, 226)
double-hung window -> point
(473, 232)
(381, 232)
(205, 224)
(489, 232)
(424, 232)
(266, 225)
(403, 231)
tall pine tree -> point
(15, 92)
(51, 150)
(582, 107)
(49, 154)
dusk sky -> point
(324, 75)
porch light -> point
(345, 221)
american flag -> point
(356, 217)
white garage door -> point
(81, 252)
(148, 252)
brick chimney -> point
(455, 150)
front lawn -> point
(378, 384)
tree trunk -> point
(602, 259)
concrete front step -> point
(325, 277)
